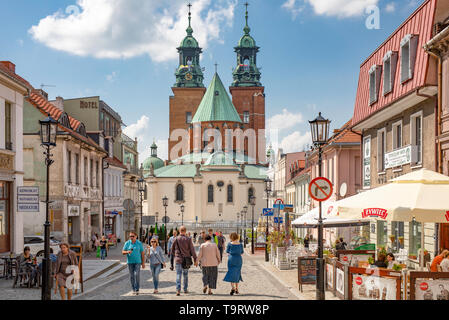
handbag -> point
(186, 261)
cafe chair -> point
(22, 275)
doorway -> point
(444, 236)
(5, 216)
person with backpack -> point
(184, 251)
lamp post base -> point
(320, 293)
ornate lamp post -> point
(245, 210)
(49, 128)
(320, 134)
(182, 214)
(165, 204)
(238, 222)
(141, 188)
(252, 202)
(267, 190)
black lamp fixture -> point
(182, 214)
(320, 134)
(49, 129)
(267, 190)
(141, 188)
(252, 202)
(165, 204)
(245, 210)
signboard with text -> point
(28, 199)
(401, 157)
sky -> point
(125, 52)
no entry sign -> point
(320, 189)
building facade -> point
(12, 91)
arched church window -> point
(246, 64)
(179, 192)
(230, 193)
(250, 194)
(210, 193)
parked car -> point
(36, 244)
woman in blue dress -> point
(234, 274)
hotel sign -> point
(401, 157)
(28, 199)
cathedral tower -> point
(188, 89)
(247, 91)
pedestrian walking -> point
(184, 251)
(306, 241)
(221, 243)
(213, 236)
(104, 247)
(209, 258)
(201, 238)
(65, 260)
(235, 261)
(194, 237)
(94, 239)
(171, 253)
(135, 257)
(156, 262)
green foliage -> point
(370, 260)
(397, 267)
(152, 230)
(170, 233)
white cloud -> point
(339, 8)
(111, 77)
(141, 131)
(284, 120)
(295, 142)
(129, 28)
(391, 7)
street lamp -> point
(245, 210)
(48, 140)
(165, 204)
(141, 188)
(252, 201)
(267, 190)
(182, 214)
(320, 133)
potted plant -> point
(401, 240)
(392, 237)
(370, 260)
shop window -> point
(381, 148)
(415, 229)
(390, 62)
(210, 193)
(230, 193)
(409, 45)
(382, 233)
(416, 133)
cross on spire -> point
(190, 14)
(216, 65)
(246, 29)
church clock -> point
(189, 76)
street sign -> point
(164, 220)
(320, 189)
(128, 204)
(278, 220)
(28, 199)
(268, 212)
(278, 206)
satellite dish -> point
(343, 189)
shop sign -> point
(74, 211)
(374, 213)
(432, 290)
(28, 199)
(401, 157)
(366, 287)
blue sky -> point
(125, 52)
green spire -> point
(216, 104)
(246, 29)
(189, 28)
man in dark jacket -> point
(221, 244)
(183, 248)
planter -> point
(401, 240)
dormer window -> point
(374, 83)
(390, 62)
(409, 45)
(246, 117)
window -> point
(145, 194)
(188, 117)
(8, 140)
(416, 133)
(409, 45)
(210, 193)
(86, 171)
(97, 174)
(397, 135)
(382, 233)
(374, 83)
(397, 229)
(390, 62)
(381, 148)
(69, 166)
(246, 117)
(91, 173)
(101, 121)
(230, 193)
(77, 166)
(415, 229)
(179, 192)
(250, 194)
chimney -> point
(9, 65)
(59, 103)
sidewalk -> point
(289, 278)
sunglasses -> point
(153, 241)
(132, 236)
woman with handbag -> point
(156, 261)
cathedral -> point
(216, 144)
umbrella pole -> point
(422, 246)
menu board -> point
(340, 282)
(366, 287)
(432, 289)
(307, 270)
(330, 275)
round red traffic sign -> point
(358, 280)
(424, 286)
(345, 258)
(320, 189)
